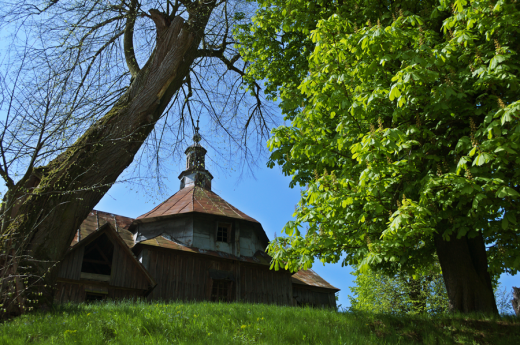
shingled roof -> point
(311, 278)
(195, 199)
(96, 219)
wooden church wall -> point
(126, 273)
(66, 292)
(118, 294)
(185, 276)
(180, 228)
(258, 284)
(73, 291)
(181, 276)
(70, 266)
(314, 297)
(250, 242)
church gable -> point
(99, 266)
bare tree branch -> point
(133, 66)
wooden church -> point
(193, 247)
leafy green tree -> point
(404, 127)
(423, 292)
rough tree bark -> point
(516, 301)
(72, 184)
(464, 269)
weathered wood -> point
(94, 276)
(314, 297)
(237, 277)
(186, 277)
(72, 267)
(127, 273)
(69, 293)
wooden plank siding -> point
(170, 268)
(70, 266)
(186, 276)
(118, 294)
(314, 297)
(258, 284)
(128, 278)
(74, 291)
(66, 292)
(125, 273)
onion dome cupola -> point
(196, 173)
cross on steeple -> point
(196, 137)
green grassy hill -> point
(213, 323)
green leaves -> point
(495, 60)
(459, 5)
(507, 191)
(481, 158)
(346, 202)
(387, 112)
(394, 92)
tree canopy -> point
(404, 129)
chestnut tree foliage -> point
(404, 126)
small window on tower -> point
(223, 232)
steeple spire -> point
(196, 173)
(196, 137)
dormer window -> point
(97, 259)
(223, 232)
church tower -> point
(196, 173)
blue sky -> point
(265, 197)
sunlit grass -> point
(213, 323)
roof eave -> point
(191, 171)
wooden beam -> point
(97, 262)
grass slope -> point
(212, 323)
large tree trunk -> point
(516, 301)
(45, 220)
(464, 268)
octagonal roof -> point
(195, 199)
